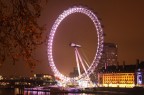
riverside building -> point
(122, 76)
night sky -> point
(123, 22)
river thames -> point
(16, 91)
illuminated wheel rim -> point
(100, 37)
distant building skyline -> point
(74, 73)
(109, 55)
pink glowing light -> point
(100, 36)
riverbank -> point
(95, 90)
(99, 90)
(132, 91)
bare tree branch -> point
(20, 33)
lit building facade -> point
(1, 77)
(43, 76)
(44, 79)
(122, 76)
(117, 79)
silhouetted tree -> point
(20, 33)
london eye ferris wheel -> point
(99, 30)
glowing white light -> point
(99, 30)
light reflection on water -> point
(36, 93)
(16, 91)
(48, 93)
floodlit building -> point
(44, 79)
(1, 77)
(43, 76)
(122, 76)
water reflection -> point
(80, 94)
(48, 93)
(36, 93)
(17, 91)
